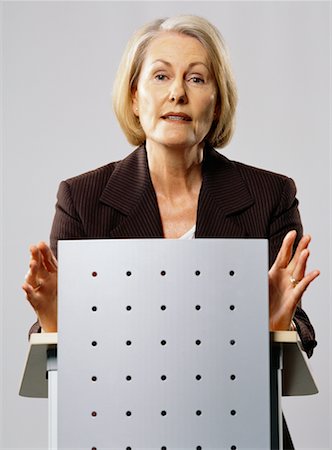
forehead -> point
(174, 48)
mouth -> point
(177, 117)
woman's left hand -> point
(288, 281)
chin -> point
(177, 140)
(179, 144)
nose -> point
(177, 92)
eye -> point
(196, 80)
(160, 77)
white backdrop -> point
(59, 61)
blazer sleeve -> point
(286, 217)
(66, 223)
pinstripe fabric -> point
(235, 201)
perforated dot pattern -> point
(165, 344)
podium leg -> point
(276, 393)
(52, 376)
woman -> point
(175, 98)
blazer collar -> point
(130, 191)
(223, 182)
(130, 178)
(224, 195)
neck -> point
(175, 171)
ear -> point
(134, 101)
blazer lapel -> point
(130, 191)
(224, 196)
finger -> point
(305, 282)
(49, 259)
(36, 267)
(299, 270)
(285, 251)
(302, 245)
(31, 276)
(28, 289)
(38, 259)
(35, 259)
(30, 294)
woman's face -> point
(176, 94)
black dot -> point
(232, 307)
(198, 342)
(128, 343)
(94, 274)
(94, 343)
(94, 413)
(198, 447)
(128, 273)
(94, 308)
(232, 342)
(233, 447)
(163, 413)
(198, 412)
(163, 448)
(94, 378)
(233, 412)
(231, 273)
(163, 307)
(163, 377)
(128, 377)
(197, 273)
(128, 307)
(232, 377)
(93, 448)
(128, 448)
(163, 273)
(198, 307)
(128, 413)
(163, 342)
(198, 377)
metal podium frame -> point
(292, 372)
(201, 287)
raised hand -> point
(41, 285)
(288, 281)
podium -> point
(164, 344)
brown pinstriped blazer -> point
(236, 201)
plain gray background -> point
(59, 61)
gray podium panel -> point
(163, 344)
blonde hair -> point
(131, 63)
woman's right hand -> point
(41, 285)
